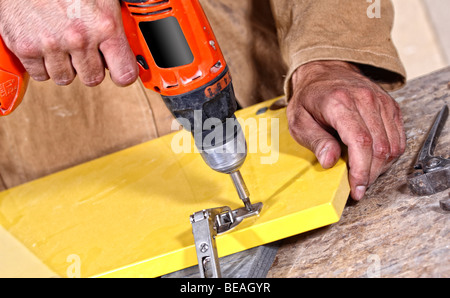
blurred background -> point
(422, 35)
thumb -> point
(310, 134)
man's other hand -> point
(333, 101)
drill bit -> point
(242, 190)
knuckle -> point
(341, 100)
(382, 150)
(76, 40)
(50, 44)
(366, 93)
(340, 95)
(26, 49)
(363, 139)
(107, 25)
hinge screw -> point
(204, 247)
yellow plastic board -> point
(127, 214)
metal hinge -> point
(209, 223)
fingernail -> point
(323, 156)
(360, 192)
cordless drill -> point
(179, 58)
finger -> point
(354, 133)
(89, 66)
(394, 127)
(31, 57)
(59, 68)
(381, 146)
(36, 68)
(395, 140)
(120, 61)
(325, 147)
(393, 123)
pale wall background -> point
(422, 35)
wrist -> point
(319, 70)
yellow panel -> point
(17, 261)
(127, 214)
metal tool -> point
(431, 173)
(209, 223)
(242, 190)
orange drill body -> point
(13, 80)
(174, 44)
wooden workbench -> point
(390, 233)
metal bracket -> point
(209, 223)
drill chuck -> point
(208, 113)
(227, 155)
